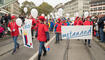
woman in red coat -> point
(13, 28)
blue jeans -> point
(15, 42)
(41, 47)
(57, 37)
(102, 35)
(51, 28)
(88, 41)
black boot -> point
(13, 52)
(39, 57)
(85, 42)
(18, 46)
(45, 53)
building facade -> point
(76, 6)
(14, 8)
(97, 7)
(11, 6)
(57, 7)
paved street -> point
(68, 24)
(74, 50)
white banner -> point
(76, 32)
(26, 32)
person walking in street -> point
(58, 30)
(87, 22)
(42, 36)
(13, 28)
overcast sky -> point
(51, 2)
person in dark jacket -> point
(6, 19)
(101, 26)
(2, 20)
(22, 18)
(9, 17)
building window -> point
(95, 9)
(94, 13)
(99, 3)
(92, 9)
(103, 12)
(99, 8)
(104, 8)
(103, 2)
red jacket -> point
(36, 26)
(13, 26)
(79, 22)
(64, 24)
(58, 27)
(88, 23)
(42, 29)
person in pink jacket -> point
(1, 31)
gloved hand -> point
(48, 37)
(36, 34)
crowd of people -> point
(4, 20)
(3, 24)
(43, 27)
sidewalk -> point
(99, 43)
